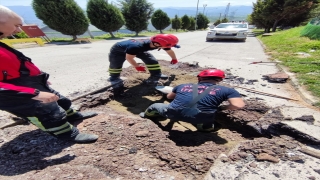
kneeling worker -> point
(198, 103)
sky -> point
(156, 3)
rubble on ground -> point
(277, 77)
(130, 147)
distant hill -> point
(238, 12)
(28, 14)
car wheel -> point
(243, 40)
(208, 39)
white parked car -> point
(228, 31)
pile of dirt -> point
(130, 147)
(273, 150)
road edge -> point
(304, 94)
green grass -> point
(284, 46)
(118, 35)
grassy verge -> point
(120, 35)
(299, 54)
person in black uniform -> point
(202, 112)
(129, 49)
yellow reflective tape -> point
(35, 121)
(154, 68)
(69, 113)
(153, 65)
(69, 110)
(58, 128)
(115, 72)
(115, 69)
(65, 130)
(152, 113)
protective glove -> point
(141, 68)
(174, 61)
(177, 46)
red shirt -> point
(10, 65)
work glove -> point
(141, 68)
(177, 46)
(174, 61)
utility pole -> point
(195, 25)
(204, 7)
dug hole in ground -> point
(252, 143)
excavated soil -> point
(130, 147)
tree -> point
(105, 16)
(202, 21)
(272, 13)
(176, 23)
(224, 20)
(249, 19)
(192, 23)
(160, 20)
(260, 15)
(288, 9)
(185, 22)
(63, 16)
(217, 22)
(136, 14)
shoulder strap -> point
(24, 71)
(196, 97)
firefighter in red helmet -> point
(129, 49)
(198, 103)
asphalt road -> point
(81, 67)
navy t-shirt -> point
(209, 102)
(133, 46)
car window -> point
(243, 26)
(232, 26)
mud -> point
(130, 147)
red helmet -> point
(212, 73)
(165, 40)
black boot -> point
(142, 114)
(85, 138)
(115, 79)
(80, 116)
(154, 79)
(75, 136)
(208, 127)
(160, 76)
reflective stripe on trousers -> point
(55, 130)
